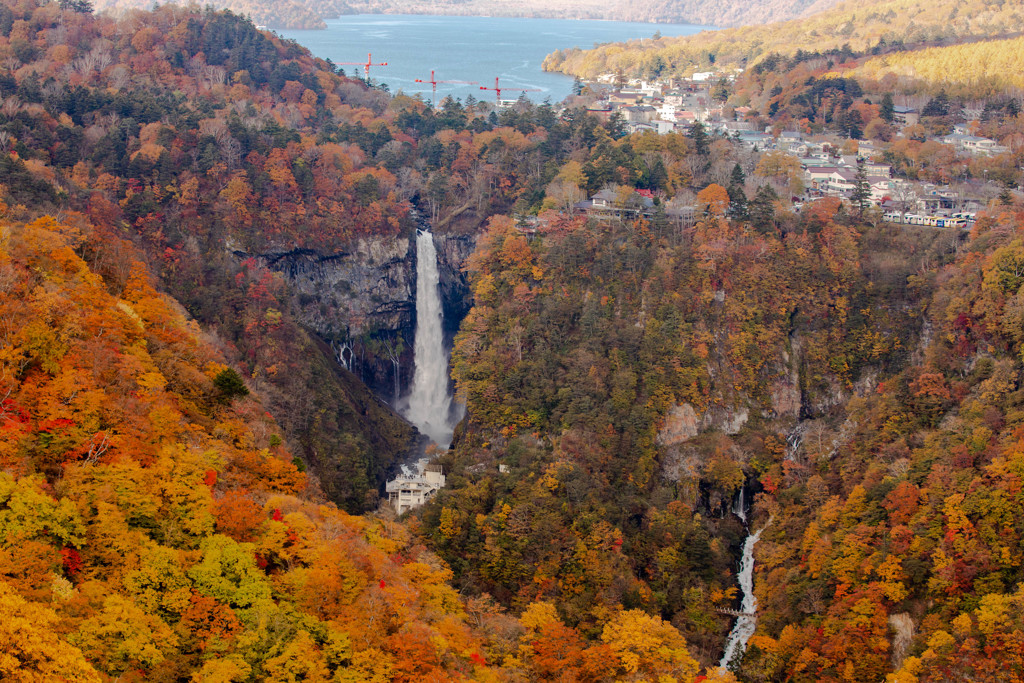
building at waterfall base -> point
(415, 486)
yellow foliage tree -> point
(32, 652)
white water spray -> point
(740, 508)
(430, 402)
(747, 623)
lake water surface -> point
(467, 49)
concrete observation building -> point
(415, 485)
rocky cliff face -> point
(452, 252)
(363, 302)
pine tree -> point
(886, 110)
(700, 139)
(737, 197)
(762, 209)
(79, 6)
(861, 189)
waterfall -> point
(747, 623)
(740, 508)
(429, 402)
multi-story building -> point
(415, 485)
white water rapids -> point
(430, 401)
(745, 625)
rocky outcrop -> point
(347, 294)
(681, 425)
(363, 301)
(452, 252)
(682, 422)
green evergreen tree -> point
(762, 209)
(720, 93)
(738, 210)
(887, 110)
(79, 6)
(861, 189)
(616, 125)
(937, 106)
(229, 384)
(700, 139)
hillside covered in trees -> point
(312, 13)
(155, 522)
(189, 479)
(983, 68)
(857, 26)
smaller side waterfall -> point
(740, 508)
(746, 624)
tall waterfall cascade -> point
(430, 400)
(746, 623)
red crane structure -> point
(366, 66)
(433, 83)
(497, 90)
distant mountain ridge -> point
(310, 14)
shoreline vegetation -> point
(313, 15)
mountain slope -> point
(152, 525)
(310, 14)
(859, 25)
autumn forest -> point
(192, 474)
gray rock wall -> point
(364, 301)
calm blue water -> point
(467, 49)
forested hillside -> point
(186, 205)
(154, 528)
(979, 69)
(154, 522)
(310, 14)
(632, 379)
(860, 26)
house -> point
(754, 140)
(730, 127)
(818, 177)
(608, 204)
(905, 116)
(682, 212)
(640, 113)
(973, 144)
(877, 169)
(674, 98)
(623, 97)
(881, 187)
(841, 181)
(415, 486)
(640, 127)
(664, 127)
(667, 111)
(795, 148)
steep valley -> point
(208, 288)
